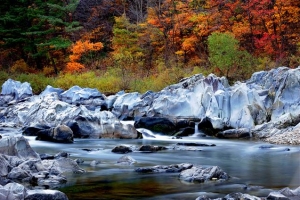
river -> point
(255, 168)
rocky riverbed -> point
(266, 107)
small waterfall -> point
(197, 132)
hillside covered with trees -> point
(141, 45)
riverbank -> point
(289, 138)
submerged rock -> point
(175, 168)
(151, 148)
(126, 160)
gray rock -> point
(198, 174)
(175, 168)
(101, 125)
(151, 148)
(62, 165)
(5, 166)
(61, 134)
(18, 173)
(157, 124)
(235, 133)
(239, 195)
(121, 149)
(91, 98)
(13, 191)
(49, 89)
(284, 194)
(126, 160)
(17, 146)
(95, 163)
(15, 90)
(267, 97)
(45, 195)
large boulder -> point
(45, 195)
(101, 125)
(13, 191)
(199, 174)
(17, 146)
(156, 124)
(91, 98)
(14, 90)
(61, 134)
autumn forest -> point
(140, 45)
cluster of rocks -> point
(200, 174)
(24, 175)
(189, 172)
(284, 194)
(266, 105)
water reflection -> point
(254, 167)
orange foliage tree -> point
(77, 51)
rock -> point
(49, 89)
(196, 144)
(33, 130)
(13, 191)
(284, 194)
(101, 125)
(14, 90)
(151, 148)
(95, 163)
(45, 156)
(156, 124)
(61, 134)
(45, 195)
(126, 160)
(175, 168)
(198, 174)
(185, 132)
(290, 137)
(206, 127)
(277, 196)
(79, 161)
(62, 165)
(17, 146)
(235, 133)
(61, 155)
(91, 98)
(121, 149)
(239, 195)
(268, 96)
(18, 173)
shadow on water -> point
(255, 168)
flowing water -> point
(255, 168)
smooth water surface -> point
(255, 168)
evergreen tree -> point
(37, 28)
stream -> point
(255, 168)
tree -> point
(224, 54)
(38, 29)
(127, 53)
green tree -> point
(37, 28)
(224, 53)
(127, 54)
